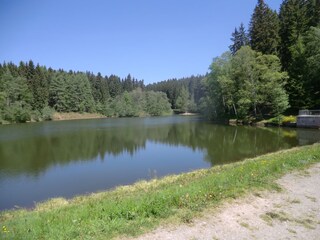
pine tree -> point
(239, 39)
(236, 44)
(115, 87)
(22, 69)
(103, 88)
(40, 88)
(128, 83)
(312, 67)
(293, 24)
(58, 92)
(264, 29)
(296, 17)
(313, 12)
(15, 98)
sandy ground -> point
(293, 213)
(75, 116)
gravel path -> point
(293, 213)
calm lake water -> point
(63, 159)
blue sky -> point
(152, 40)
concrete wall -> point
(311, 121)
(307, 136)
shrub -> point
(36, 116)
(289, 119)
(47, 113)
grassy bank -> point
(134, 209)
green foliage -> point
(248, 83)
(288, 35)
(157, 104)
(220, 88)
(58, 92)
(138, 103)
(293, 24)
(311, 75)
(80, 94)
(34, 88)
(264, 29)
(133, 210)
(281, 119)
(15, 98)
(289, 119)
(16, 113)
(239, 39)
(115, 87)
(100, 89)
(124, 106)
(172, 89)
(182, 102)
(47, 113)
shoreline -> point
(58, 116)
(291, 213)
(135, 209)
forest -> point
(270, 69)
(273, 67)
(29, 92)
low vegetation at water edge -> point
(131, 210)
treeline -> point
(270, 69)
(292, 35)
(184, 94)
(29, 92)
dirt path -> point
(293, 213)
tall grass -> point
(131, 210)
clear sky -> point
(152, 40)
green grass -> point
(134, 209)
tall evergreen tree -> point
(312, 67)
(80, 94)
(40, 88)
(296, 18)
(115, 87)
(293, 24)
(58, 92)
(239, 39)
(313, 12)
(264, 29)
(15, 98)
(128, 83)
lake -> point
(39, 161)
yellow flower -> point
(4, 229)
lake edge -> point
(274, 165)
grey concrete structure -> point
(308, 119)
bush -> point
(16, 113)
(47, 113)
(22, 115)
(280, 120)
(276, 120)
(36, 116)
(289, 119)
